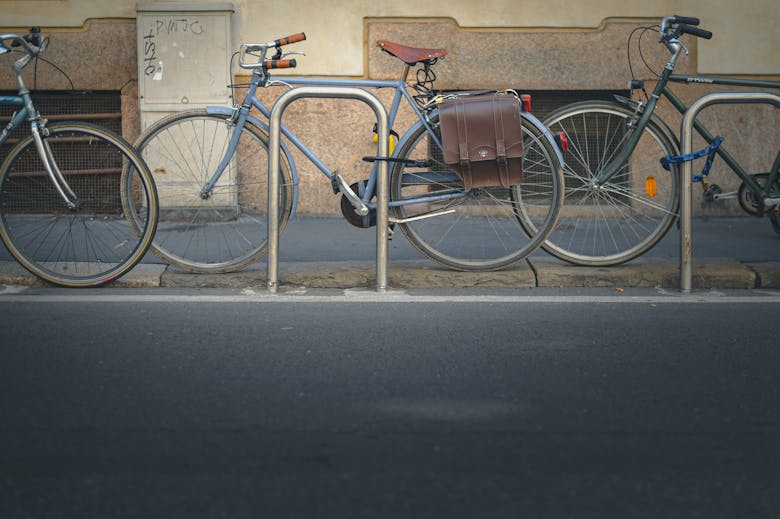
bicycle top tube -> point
(398, 85)
(727, 81)
(11, 100)
(261, 78)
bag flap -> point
(481, 118)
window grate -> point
(87, 165)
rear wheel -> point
(481, 229)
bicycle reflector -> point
(562, 141)
(526, 100)
(651, 186)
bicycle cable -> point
(425, 77)
(35, 69)
(655, 28)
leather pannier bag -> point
(482, 139)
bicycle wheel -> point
(621, 219)
(223, 230)
(93, 243)
(480, 230)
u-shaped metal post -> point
(273, 176)
(686, 140)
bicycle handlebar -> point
(32, 42)
(259, 51)
(673, 27)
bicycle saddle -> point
(410, 55)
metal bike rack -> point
(686, 140)
(383, 134)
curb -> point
(713, 274)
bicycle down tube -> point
(400, 92)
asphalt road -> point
(125, 404)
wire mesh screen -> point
(102, 107)
(88, 164)
(542, 103)
(546, 101)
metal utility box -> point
(184, 51)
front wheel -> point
(89, 244)
(483, 229)
(611, 222)
(223, 229)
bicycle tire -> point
(488, 228)
(622, 219)
(93, 243)
(227, 230)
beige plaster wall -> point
(100, 55)
(746, 40)
(487, 57)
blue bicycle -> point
(211, 168)
(78, 206)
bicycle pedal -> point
(711, 192)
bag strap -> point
(498, 121)
(463, 146)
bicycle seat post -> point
(405, 72)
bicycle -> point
(210, 167)
(619, 199)
(67, 191)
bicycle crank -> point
(351, 213)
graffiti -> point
(178, 25)
(162, 27)
(150, 53)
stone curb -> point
(713, 274)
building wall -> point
(528, 44)
(746, 39)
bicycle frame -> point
(241, 115)
(662, 90)
(19, 117)
(707, 136)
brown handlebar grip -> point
(294, 38)
(279, 63)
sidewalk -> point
(315, 252)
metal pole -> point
(686, 141)
(383, 133)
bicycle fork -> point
(47, 157)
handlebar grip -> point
(686, 20)
(694, 31)
(280, 63)
(293, 38)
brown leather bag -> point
(482, 139)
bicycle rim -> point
(619, 220)
(89, 245)
(480, 230)
(225, 229)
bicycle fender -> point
(525, 115)
(546, 132)
(228, 111)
